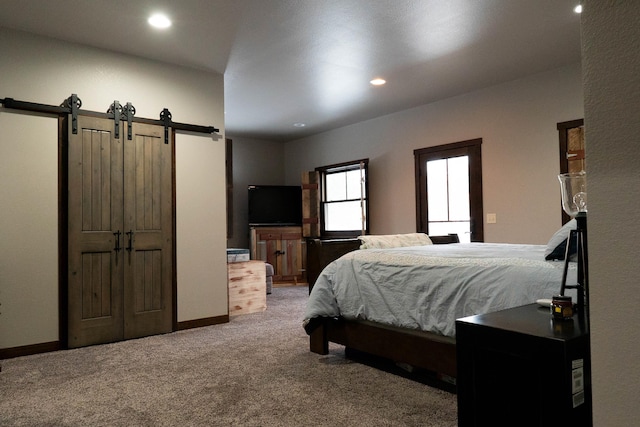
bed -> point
(401, 302)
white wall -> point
(201, 230)
(28, 229)
(46, 71)
(611, 58)
(517, 122)
(255, 162)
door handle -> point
(117, 235)
(130, 235)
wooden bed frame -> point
(419, 349)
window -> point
(449, 190)
(344, 207)
(448, 196)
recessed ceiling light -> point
(159, 20)
(299, 125)
(378, 82)
(578, 9)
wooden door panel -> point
(148, 281)
(97, 286)
(96, 180)
(148, 216)
(292, 262)
(273, 248)
(148, 182)
(95, 268)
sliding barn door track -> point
(116, 111)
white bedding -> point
(429, 287)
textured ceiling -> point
(310, 61)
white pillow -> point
(394, 241)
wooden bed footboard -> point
(419, 349)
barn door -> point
(120, 208)
(95, 256)
(148, 232)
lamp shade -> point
(573, 187)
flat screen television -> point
(275, 205)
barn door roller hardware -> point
(114, 112)
(129, 111)
(165, 119)
(72, 106)
(74, 103)
(119, 112)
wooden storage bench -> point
(247, 287)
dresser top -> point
(531, 319)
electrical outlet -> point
(492, 218)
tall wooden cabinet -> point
(283, 248)
(120, 232)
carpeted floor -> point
(254, 371)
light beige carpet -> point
(254, 371)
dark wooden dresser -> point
(518, 367)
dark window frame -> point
(471, 148)
(336, 168)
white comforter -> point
(429, 287)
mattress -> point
(429, 287)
